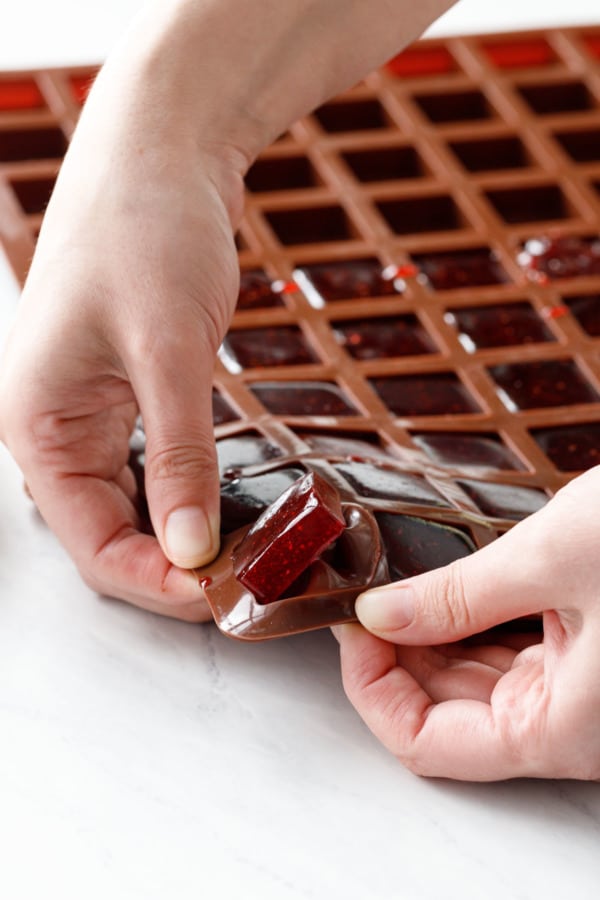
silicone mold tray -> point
(419, 314)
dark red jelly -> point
(389, 484)
(520, 54)
(245, 498)
(561, 257)
(33, 193)
(19, 144)
(235, 453)
(352, 279)
(586, 310)
(498, 326)
(447, 271)
(377, 338)
(432, 394)
(303, 398)
(553, 382)
(572, 448)
(288, 537)
(456, 449)
(343, 445)
(81, 85)
(504, 501)
(419, 61)
(415, 545)
(222, 411)
(282, 345)
(257, 291)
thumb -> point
(498, 583)
(182, 484)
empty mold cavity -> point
(413, 215)
(417, 62)
(571, 448)
(530, 204)
(517, 54)
(282, 345)
(244, 498)
(385, 163)
(490, 154)
(303, 398)
(460, 448)
(222, 411)
(582, 146)
(19, 93)
(385, 337)
(431, 394)
(349, 279)
(586, 309)
(455, 106)
(351, 115)
(250, 449)
(448, 270)
(504, 501)
(498, 326)
(33, 194)
(281, 173)
(545, 383)
(256, 291)
(557, 97)
(309, 225)
(32, 143)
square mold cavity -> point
(33, 193)
(463, 448)
(303, 398)
(348, 279)
(428, 394)
(455, 106)
(414, 215)
(310, 225)
(275, 345)
(530, 204)
(504, 501)
(571, 448)
(351, 115)
(586, 309)
(282, 173)
(501, 325)
(389, 484)
(492, 154)
(582, 145)
(520, 53)
(546, 383)
(385, 163)
(557, 97)
(415, 545)
(257, 291)
(377, 338)
(25, 144)
(18, 94)
(222, 411)
(419, 62)
(451, 269)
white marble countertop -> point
(144, 758)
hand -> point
(129, 295)
(487, 709)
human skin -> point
(130, 293)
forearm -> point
(238, 72)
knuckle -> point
(446, 598)
(190, 461)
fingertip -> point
(191, 537)
(386, 610)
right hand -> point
(130, 293)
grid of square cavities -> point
(383, 291)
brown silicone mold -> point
(419, 315)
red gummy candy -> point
(288, 537)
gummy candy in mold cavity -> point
(586, 310)
(389, 484)
(572, 448)
(235, 453)
(282, 345)
(347, 280)
(430, 394)
(257, 291)
(544, 383)
(222, 412)
(498, 326)
(288, 537)
(302, 398)
(385, 337)
(456, 449)
(448, 270)
(504, 501)
(415, 545)
(560, 257)
(244, 499)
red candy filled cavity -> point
(288, 537)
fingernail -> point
(386, 609)
(189, 538)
